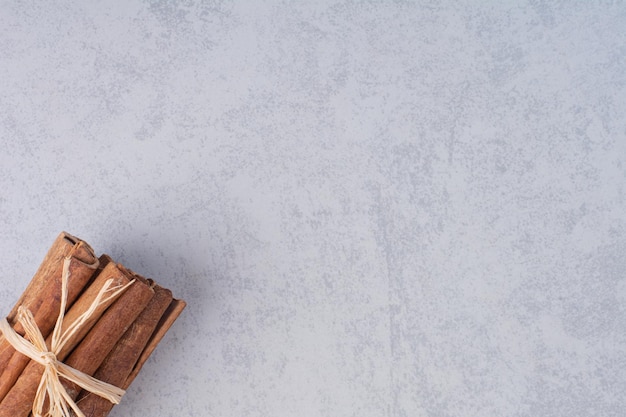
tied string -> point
(36, 349)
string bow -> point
(36, 349)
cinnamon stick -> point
(105, 334)
(119, 364)
(30, 297)
(42, 298)
(169, 317)
(113, 345)
(18, 401)
(51, 266)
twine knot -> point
(61, 403)
(49, 359)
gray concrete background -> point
(372, 208)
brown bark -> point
(122, 359)
(18, 401)
(169, 317)
(64, 245)
(113, 345)
(103, 337)
(42, 298)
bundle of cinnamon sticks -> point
(111, 346)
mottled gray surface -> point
(373, 209)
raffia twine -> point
(61, 403)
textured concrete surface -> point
(373, 209)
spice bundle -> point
(79, 334)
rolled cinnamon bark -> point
(19, 400)
(112, 345)
(121, 361)
(105, 334)
(51, 267)
(42, 298)
(169, 317)
(32, 297)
